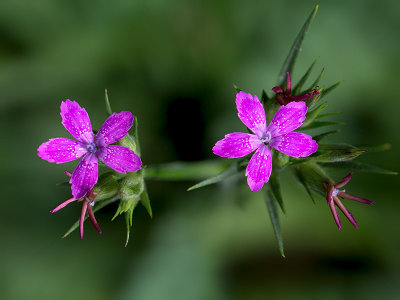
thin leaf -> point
(144, 198)
(355, 165)
(377, 148)
(302, 179)
(95, 208)
(336, 152)
(318, 124)
(186, 170)
(312, 115)
(303, 79)
(328, 115)
(128, 222)
(236, 88)
(273, 214)
(275, 187)
(108, 106)
(321, 136)
(315, 83)
(330, 89)
(313, 176)
(296, 47)
(232, 170)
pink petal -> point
(76, 120)
(62, 205)
(114, 128)
(60, 150)
(259, 168)
(295, 144)
(251, 112)
(84, 176)
(82, 218)
(236, 144)
(288, 118)
(119, 158)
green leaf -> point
(354, 165)
(232, 170)
(296, 47)
(302, 179)
(236, 88)
(318, 124)
(198, 170)
(275, 187)
(312, 176)
(313, 114)
(315, 83)
(108, 106)
(377, 148)
(328, 115)
(273, 214)
(96, 207)
(144, 198)
(330, 89)
(128, 222)
(303, 79)
(336, 152)
(321, 136)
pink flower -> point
(76, 120)
(284, 97)
(278, 135)
(332, 193)
(88, 201)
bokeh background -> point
(172, 63)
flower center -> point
(266, 137)
(91, 147)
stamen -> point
(91, 147)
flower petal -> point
(84, 176)
(259, 168)
(288, 118)
(295, 144)
(60, 150)
(76, 120)
(114, 128)
(236, 144)
(251, 112)
(120, 159)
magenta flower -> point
(284, 97)
(332, 193)
(76, 120)
(278, 135)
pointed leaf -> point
(303, 79)
(108, 106)
(128, 222)
(296, 47)
(236, 88)
(355, 165)
(317, 124)
(330, 89)
(302, 179)
(336, 152)
(315, 83)
(313, 114)
(328, 115)
(273, 214)
(275, 187)
(321, 136)
(312, 176)
(231, 171)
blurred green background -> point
(172, 63)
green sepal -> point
(130, 189)
(273, 214)
(295, 49)
(275, 188)
(198, 170)
(303, 79)
(129, 142)
(106, 187)
(359, 166)
(234, 169)
(144, 198)
(96, 207)
(128, 223)
(336, 152)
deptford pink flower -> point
(88, 201)
(278, 134)
(284, 97)
(92, 148)
(332, 193)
